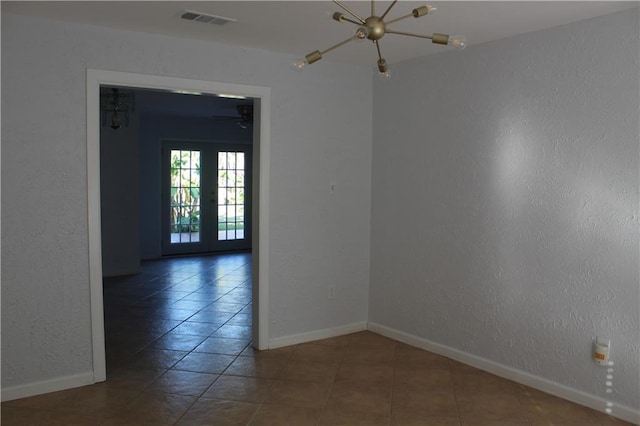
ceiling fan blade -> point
(224, 117)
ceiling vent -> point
(191, 15)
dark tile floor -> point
(179, 353)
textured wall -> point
(320, 134)
(505, 202)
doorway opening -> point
(259, 181)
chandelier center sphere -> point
(376, 27)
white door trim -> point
(262, 96)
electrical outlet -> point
(601, 351)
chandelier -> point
(116, 102)
(374, 28)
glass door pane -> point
(206, 195)
(185, 196)
(231, 200)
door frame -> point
(260, 213)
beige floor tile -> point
(157, 407)
(483, 408)
(407, 355)
(362, 353)
(281, 354)
(435, 379)
(543, 409)
(347, 416)
(153, 359)
(299, 394)
(49, 401)
(204, 363)
(281, 415)
(375, 373)
(480, 422)
(12, 416)
(456, 366)
(311, 371)
(266, 368)
(604, 419)
(480, 382)
(183, 382)
(130, 379)
(98, 401)
(216, 345)
(213, 412)
(422, 417)
(360, 397)
(441, 404)
(315, 352)
(369, 339)
(237, 388)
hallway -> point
(179, 309)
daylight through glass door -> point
(185, 196)
(231, 196)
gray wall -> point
(505, 202)
(120, 197)
(320, 135)
(154, 129)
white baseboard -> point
(326, 333)
(620, 411)
(46, 386)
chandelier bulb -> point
(115, 122)
(385, 75)
(361, 34)
(383, 69)
(428, 9)
(458, 41)
(298, 64)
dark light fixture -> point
(117, 102)
(244, 118)
(374, 28)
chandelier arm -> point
(352, 21)
(335, 46)
(400, 18)
(349, 11)
(388, 31)
(388, 9)
(378, 49)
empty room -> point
(320, 213)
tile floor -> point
(179, 353)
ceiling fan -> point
(244, 117)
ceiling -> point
(298, 27)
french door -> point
(206, 197)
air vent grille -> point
(191, 15)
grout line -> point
(393, 383)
